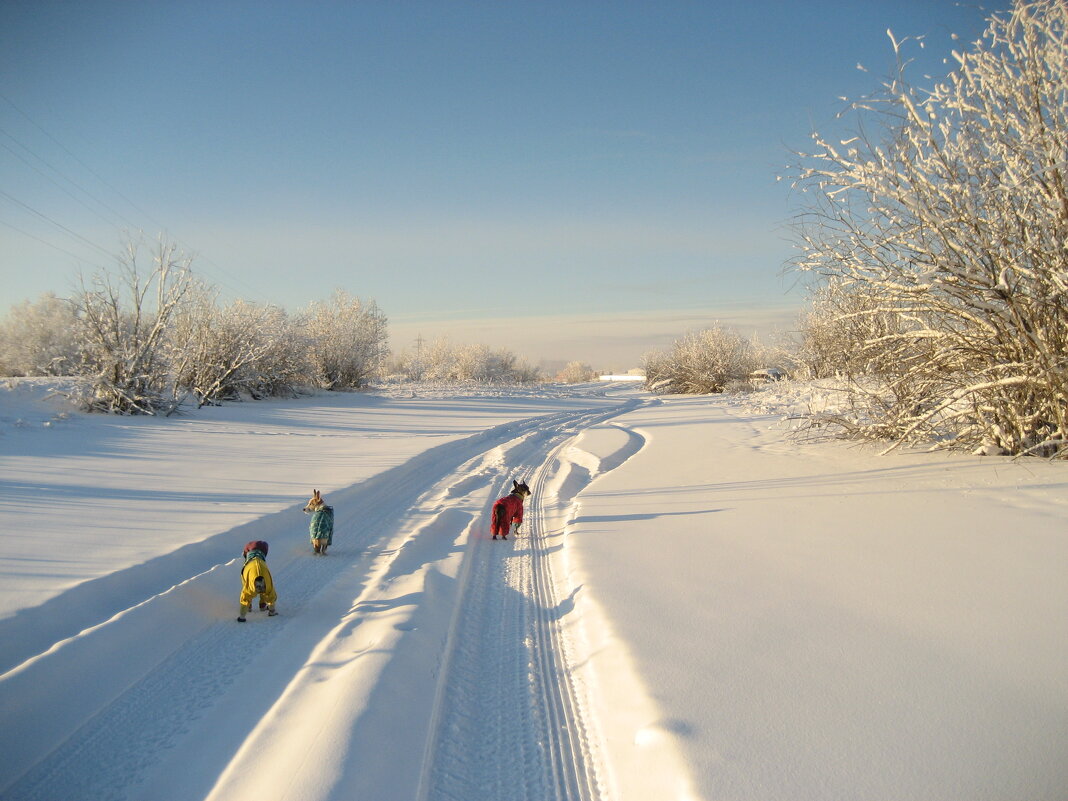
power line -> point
(89, 169)
(56, 184)
(162, 228)
(59, 225)
(44, 242)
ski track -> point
(505, 723)
(508, 725)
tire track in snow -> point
(579, 772)
(507, 723)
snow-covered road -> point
(698, 607)
(416, 637)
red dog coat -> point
(506, 510)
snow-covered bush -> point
(576, 373)
(701, 363)
(220, 353)
(954, 226)
(443, 360)
(281, 368)
(146, 338)
(124, 318)
(820, 349)
(448, 362)
(844, 333)
(347, 339)
(39, 338)
(407, 365)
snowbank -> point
(813, 621)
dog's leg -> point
(242, 611)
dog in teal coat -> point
(321, 527)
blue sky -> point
(456, 162)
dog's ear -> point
(515, 484)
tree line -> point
(150, 335)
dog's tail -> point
(498, 517)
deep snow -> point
(698, 607)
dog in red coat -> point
(508, 511)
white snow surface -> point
(698, 605)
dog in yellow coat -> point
(256, 580)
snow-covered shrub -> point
(347, 341)
(443, 360)
(147, 338)
(701, 363)
(576, 373)
(448, 362)
(39, 338)
(845, 330)
(955, 225)
(407, 365)
(123, 330)
(221, 353)
(503, 366)
(281, 368)
(820, 350)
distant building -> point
(637, 374)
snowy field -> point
(698, 605)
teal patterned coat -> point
(322, 524)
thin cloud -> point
(603, 340)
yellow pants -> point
(253, 569)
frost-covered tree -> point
(700, 363)
(820, 348)
(462, 363)
(348, 341)
(39, 338)
(443, 360)
(843, 333)
(406, 365)
(223, 352)
(955, 222)
(576, 373)
(281, 368)
(124, 317)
